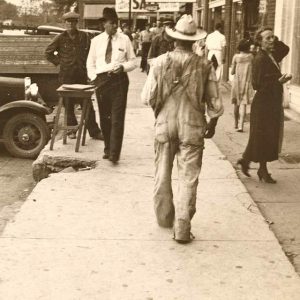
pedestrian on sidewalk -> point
(242, 91)
(179, 86)
(136, 41)
(111, 56)
(216, 49)
(70, 49)
(145, 39)
(266, 119)
(161, 43)
(126, 30)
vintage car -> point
(48, 29)
(23, 127)
(23, 111)
(24, 106)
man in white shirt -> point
(215, 49)
(110, 57)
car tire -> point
(25, 135)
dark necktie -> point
(108, 50)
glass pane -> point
(296, 46)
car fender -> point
(33, 106)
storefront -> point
(240, 18)
(91, 10)
(287, 28)
(143, 11)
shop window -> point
(236, 28)
(200, 18)
(217, 16)
(296, 47)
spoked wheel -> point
(25, 135)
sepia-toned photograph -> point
(149, 150)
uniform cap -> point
(70, 15)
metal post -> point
(205, 15)
(129, 14)
(227, 29)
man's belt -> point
(106, 77)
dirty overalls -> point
(179, 106)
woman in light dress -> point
(242, 91)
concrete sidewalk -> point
(93, 235)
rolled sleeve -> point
(91, 62)
(150, 88)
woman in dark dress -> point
(266, 110)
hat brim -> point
(74, 19)
(199, 35)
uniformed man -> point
(69, 50)
(161, 43)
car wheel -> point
(25, 135)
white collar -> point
(113, 36)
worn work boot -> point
(182, 232)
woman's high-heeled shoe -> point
(263, 175)
(244, 166)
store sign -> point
(169, 7)
(147, 6)
(172, 1)
(152, 6)
(216, 3)
(136, 6)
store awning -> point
(216, 3)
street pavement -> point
(16, 183)
(93, 235)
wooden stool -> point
(66, 95)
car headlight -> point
(34, 89)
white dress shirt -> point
(215, 42)
(122, 54)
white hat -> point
(186, 30)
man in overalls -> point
(180, 87)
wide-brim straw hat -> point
(186, 30)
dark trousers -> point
(72, 77)
(112, 100)
(145, 51)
